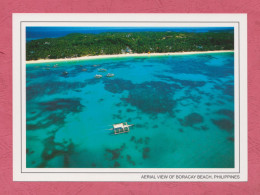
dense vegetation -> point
(76, 45)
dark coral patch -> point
(153, 117)
(54, 113)
(129, 159)
(43, 72)
(204, 128)
(148, 65)
(220, 102)
(189, 99)
(228, 113)
(138, 117)
(224, 124)
(115, 65)
(67, 105)
(92, 81)
(191, 119)
(152, 97)
(53, 149)
(116, 164)
(139, 141)
(117, 116)
(139, 125)
(146, 141)
(116, 152)
(101, 100)
(181, 130)
(28, 151)
(117, 85)
(48, 88)
(231, 139)
(184, 83)
(57, 119)
(208, 104)
(146, 152)
(177, 111)
(129, 110)
(229, 90)
(197, 65)
(119, 104)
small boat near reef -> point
(110, 75)
(98, 76)
(84, 69)
(121, 128)
(65, 73)
(55, 66)
(96, 65)
(102, 70)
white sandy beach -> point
(123, 55)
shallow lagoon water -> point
(182, 108)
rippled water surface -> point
(182, 108)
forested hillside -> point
(76, 45)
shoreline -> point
(124, 55)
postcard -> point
(130, 97)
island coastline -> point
(123, 55)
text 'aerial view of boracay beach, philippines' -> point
(129, 97)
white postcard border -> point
(21, 173)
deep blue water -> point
(182, 108)
(33, 33)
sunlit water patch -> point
(182, 108)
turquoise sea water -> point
(182, 108)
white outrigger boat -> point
(102, 70)
(98, 76)
(120, 128)
(110, 75)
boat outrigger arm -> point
(121, 128)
